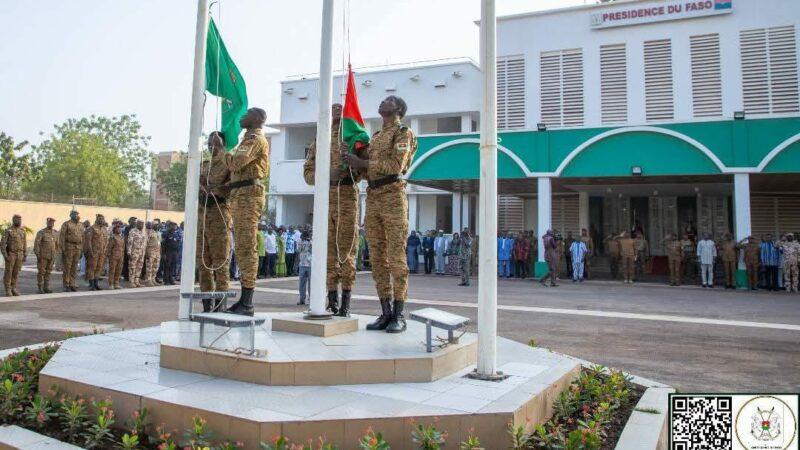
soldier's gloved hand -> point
(354, 161)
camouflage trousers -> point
(387, 231)
(94, 265)
(790, 274)
(675, 270)
(153, 259)
(213, 247)
(114, 270)
(44, 266)
(752, 274)
(730, 272)
(13, 266)
(464, 263)
(135, 263)
(246, 205)
(71, 256)
(342, 234)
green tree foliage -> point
(173, 181)
(95, 157)
(15, 169)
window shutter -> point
(783, 69)
(769, 70)
(755, 71)
(510, 92)
(658, 80)
(613, 84)
(706, 76)
(561, 84)
(510, 213)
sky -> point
(68, 59)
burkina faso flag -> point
(354, 133)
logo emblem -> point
(765, 425)
(767, 422)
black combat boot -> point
(398, 322)
(206, 305)
(46, 287)
(344, 311)
(385, 317)
(244, 306)
(39, 288)
(97, 284)
(91, 285)
(333, 302)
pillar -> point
(543, 208)
(413, 223)
(741, 210)
(362, 205)
(279, 212)
(456, 213)
(583, 210)
(465, 201)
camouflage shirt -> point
(390, 152)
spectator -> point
(504, 246)
(578, 253)
(412, 252)
(453, 249)
(567, 255)
(521, 250)
(262, 252)
(280, 262)
(706, 253)
(550, 256)
(304, 266)
(297, 238)
(440, 249)
(770, 257)
(427, 251)
(590, 250)
(271, 245)
(290, 251)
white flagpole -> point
(193, 161)
(322, 169)
(487, 269)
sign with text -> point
(637, 14)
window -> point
(510, 92)
(613, 84)
(298, 140)
(435, 125)
(769, 70)
(706, 76)
(658, 80)
(561, 84)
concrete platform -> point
(301, 359)
(125, 367)
(298, 323)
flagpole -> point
(487, 268)
(193, 160)
(322, 169)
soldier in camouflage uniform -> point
(729, 260)
(614, 257)
(689, 258)
(627, 248)
(115, 252)
(465, 256)
(248, 164)
(342, 219)
(14, 247)
(752, 259)
(389, 156)
(70, 241)
(137, 240)
(675, 256)
(45, 248)
(95, 250)
(791, 256)
(152, 254)
(214, 223)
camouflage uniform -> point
(390, 154)
(342, 218)
(44, 247)
(464, 258)
(70, 241)
(752, 261)
(612, 248)
(97, 239)
(791, 257)
(136, 247)
(249, 162)
(675, 256)
(627, 248)
(689, 259)
(213, 229)
(640, 243)
(729, 261)
(152, 255)
(115, 251)
(14, 248)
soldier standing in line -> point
(729, 260)
(137, 239)
(14, 248)
(388, 158)
(752, 259)
(70, 241)
(689, 258)
(95, 250)
(152, 254)
(115, 250)
(675, 256)
(612, 250)
(44, 247)
(214, 223)
(125, 263)
(587, 239)
(248, 165)
(342, 218)
(627, 249)
(465, 256)
(791, 257)
(551, 255)
(642, 255)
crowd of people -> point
(142, 253)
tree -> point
(173, 181)
(15, 169)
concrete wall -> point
(34, 214)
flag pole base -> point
(497, 376)
(317, 316)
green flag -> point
(224, 80)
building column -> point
(362, 206)
(741, 210)
(413, 223)
(456, 213)
(583, 210)
(465, 200)
(279, 210)
(544, 204)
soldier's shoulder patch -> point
(401, 146)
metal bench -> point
(230, 321)
(433, 317)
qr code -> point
(701, 423)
